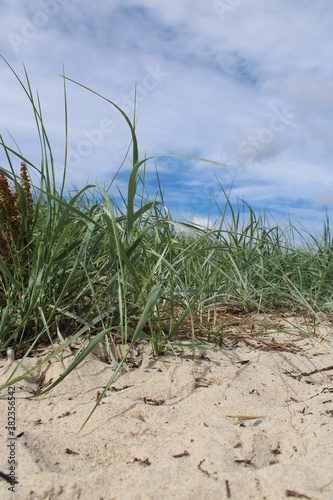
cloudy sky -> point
(245, 82)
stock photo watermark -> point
(279, 119)
(223, 7)
(94, 137)
(228, 65)
(40, 19)
(10, 454)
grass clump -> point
(84, 268)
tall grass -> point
(85, 268)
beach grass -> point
(83, 267)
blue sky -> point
(243, 82)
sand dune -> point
(244, 421)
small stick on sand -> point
(10, 356)
(246, 417)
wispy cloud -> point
(242, 82)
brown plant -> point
(11, 215)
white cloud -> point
(220, 81)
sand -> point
(252, 419)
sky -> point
(247, 83)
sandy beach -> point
(252, 419)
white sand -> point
(241, 423)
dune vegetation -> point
(84, 267)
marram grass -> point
(83, 268)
